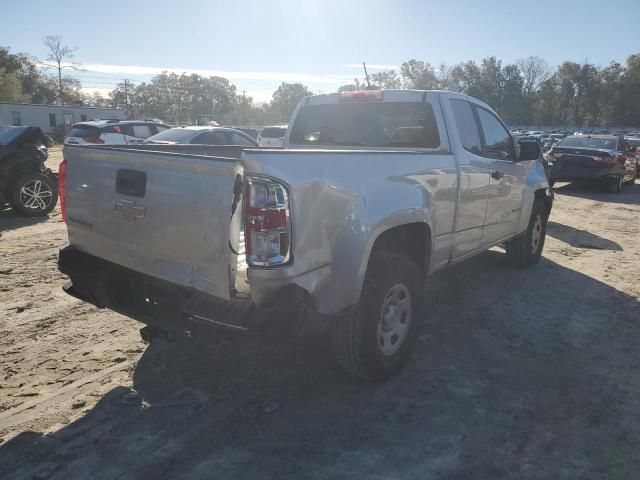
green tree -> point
(419, 75)
(386, 79)
(286, 98)
(631, 90)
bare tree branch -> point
(58, 53)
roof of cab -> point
(391, 95)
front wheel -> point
(525, 251)
(616, 185)
(378, 338)
(33, 194)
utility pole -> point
(126, 97)
(366, 75)
(244, 107)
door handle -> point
(497, 174)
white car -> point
(113, 132)
(202, 135)
(272, 136)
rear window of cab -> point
(367, 124)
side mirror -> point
(528, 150)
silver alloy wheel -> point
(36, 195)
(395, 318)
(536, 234)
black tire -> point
(24, 203)
(358, 337)
(525, 250)
(615, 185)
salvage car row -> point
(135, 132)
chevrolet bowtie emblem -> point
(129, 210)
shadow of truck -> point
(521, 374)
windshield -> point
(273, 132)
(589, 142)
(177, 135)
(8, 134)
(374, 124)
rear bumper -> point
(563, 173)
(166, 305)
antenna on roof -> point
(366, 75)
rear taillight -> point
(62, 188)
(94, 140)
(362, 96)
(267, 228)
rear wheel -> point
(377, 339)
(525, 251)
(33, 194)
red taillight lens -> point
(362, 96)
(267, 229)
(94, 140)
(62, 188)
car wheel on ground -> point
(525, 250)
(616, 185)
(377, 339)
(33, 194)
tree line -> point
(526, 92)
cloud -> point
(374, 66)
(331, 79)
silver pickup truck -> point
(372, 192)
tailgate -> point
(163, 214)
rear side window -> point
(367, 124)
(84, 131)
(467, 126)
(496, 138)
(273, 132)
(141, 131)
(113, 129)
(237, 139)
(210, 138)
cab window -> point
(496, 138)
(467, 126)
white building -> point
(48, 117)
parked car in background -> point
(605, 159)
(25, 183)
(379, 189)
(198, 135)
(272, 136)
(113, 132)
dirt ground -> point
(517, 374)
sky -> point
(258, 44)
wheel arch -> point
(412, 240)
